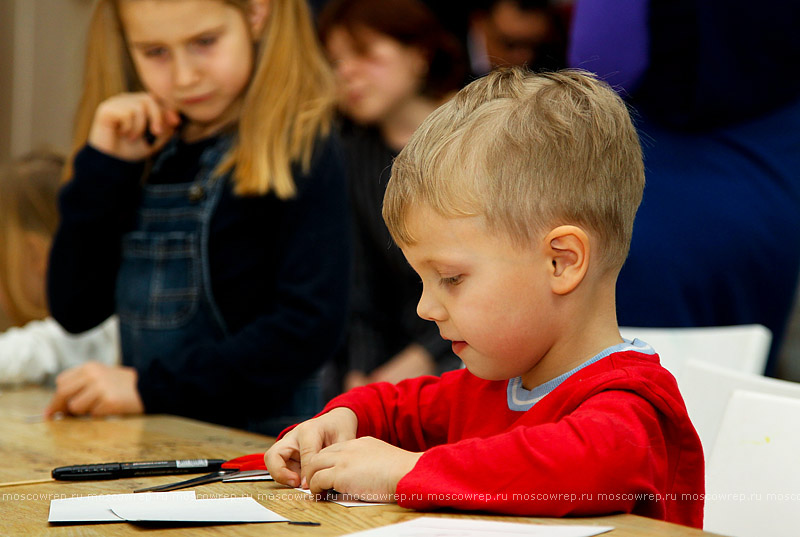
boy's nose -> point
(430, 309)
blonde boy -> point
(515, 202)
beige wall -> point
(41, 46)
(6, 52)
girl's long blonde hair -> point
(287, 107)
(28, 192)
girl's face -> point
(377, 78)
(194, 56)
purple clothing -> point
(609, 37)
(717, 105)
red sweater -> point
(613, 437)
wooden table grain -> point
(31, 447)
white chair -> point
(707, 388)
(753, 476)
(743, 348)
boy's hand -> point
(121, 125)
(287, 459)
(366, 468)
(96, 389)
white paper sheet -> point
(461, 527)
(248, 475)
(204, 511)
(177, 506)
(98, 508)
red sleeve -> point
(593, 461)
(412, 414)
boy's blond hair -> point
(28, 192)
(288, 105)
(528, 152)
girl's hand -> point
(366, 468)
(413, 361)
(286, 460)
(96, 389)
(122, 122)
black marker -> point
(116, 470)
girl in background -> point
(36, 348)
(394, 65)
(207, 207)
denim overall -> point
(163, 293)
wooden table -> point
(30, 448)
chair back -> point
(743, 348)
(753, 475)
(707, 388)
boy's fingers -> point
(309, 442)
(275, 463)
(322, 481)
(293, 466)
(321, 463)
(281, 465)
(286, 477)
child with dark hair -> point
(394, 65)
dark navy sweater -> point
(717, 238)
(279, 273)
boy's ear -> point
(568, 253)
(257, 15)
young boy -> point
(515, 202)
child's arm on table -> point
(287, 457)
(323, 454)
(366, 467)
(601, 458)
(97, 389)
(326, 453)
(596, 459)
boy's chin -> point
(484, 373)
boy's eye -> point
(452, 280)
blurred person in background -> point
(394, 65)
(715, 84)
(517, 32)
(35, 348)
